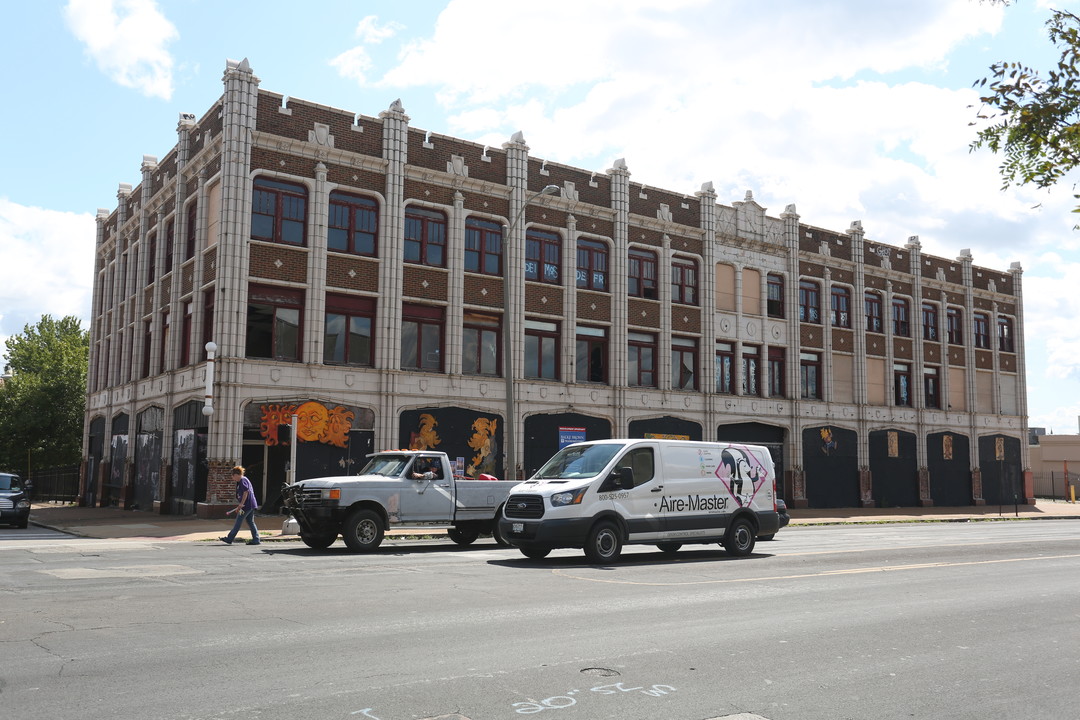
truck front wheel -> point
(319, 541)
(463, 536)
(604, 544)
(363, 531)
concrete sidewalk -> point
(113, 523)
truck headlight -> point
(332, 494)
(570, 497)
(23, 504)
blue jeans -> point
(249, 516)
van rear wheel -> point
(461, 536)
(669, 547)
(740, 538)
(604, 544)
(535, 553)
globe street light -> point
(508, 365)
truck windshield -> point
(387, 465)
(578, 461)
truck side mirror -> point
(624, 478)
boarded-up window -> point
(213, 214)
(875, 381)
(1007, 383)
(751, 291)
(957, 390)
(984, 391)
(725, 287)
(843, 379)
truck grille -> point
(6, 504)
(524, 506)
(306, 498)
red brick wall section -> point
(537, 293)
(264, 258)
(585, 310)
(364, 277)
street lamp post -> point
(508, 366)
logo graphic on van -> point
(742, 473)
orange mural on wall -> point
(427, 438)
(315, 422)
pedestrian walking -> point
(245, 508)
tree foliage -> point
(43, 397)
(1034, 116)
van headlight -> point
(570, 497)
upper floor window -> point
(273, 322)
(684, 281)
(901, 321)
(170, 245)
(151, 264)
(592, 265)
(191, 231)
(208, 321)
(932, 387)
(902, 384)
(683, 363)
(591, 354)
(278, 211)
(841, 306)
(981, 330)
(641, 360)
(541, 349)
(725, 367)
(483, 247)
(1005, 334)
(929, 321)
(776, 372)
(810, 375)
(348, 336)
(809, 302)
(543, 256)
(421, 337)
(480, 346)
(954, 319)
(751, 365)
(641, 274)
(775, 300)
(425, 236)
(148, 338)
(353, 225)
(873, 312)
(185, 333)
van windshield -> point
(578, 461)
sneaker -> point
(225, 540)
(254, 542)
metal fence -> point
(59, 484)
(1055, 485)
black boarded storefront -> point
(894, 468)
(831, 464)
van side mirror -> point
(623, 478)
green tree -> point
(43, 396)
(1034, 116)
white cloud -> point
(55, 272)
(127, 40)
(354, 63)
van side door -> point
(639, 505)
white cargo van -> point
(602, 494)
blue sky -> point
(851, 110)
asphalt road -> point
(975, 620)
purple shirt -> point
(244, 484)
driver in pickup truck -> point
(426, 469)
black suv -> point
(14, 500)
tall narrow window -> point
(900, 318)
(425, 236)
(148, 337)
(776, 372)
(208, 321)
(273, 322)
(641, 274)
(841, 307)
(483, 247)
(590, 354)
(954, 319)
(981, 325)
(809, 302)
(353, 224)
(348, 335)
(163, 355)
(725, 367)
(641, 360)
(751, 363)
(170, 245)
(278, 211)
(684, 281)
(185, 334)
(592, 265)
(873, 312)
(1005, 334)
(191, 231)
(421, 338)
(774, 305)
(932, 387)
(929, 321)
(151, 261)
(902, 384)
(480, 346)
(683, 363)
(543, 256)
(541, 350)
(810, 375)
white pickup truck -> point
(396, 487)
